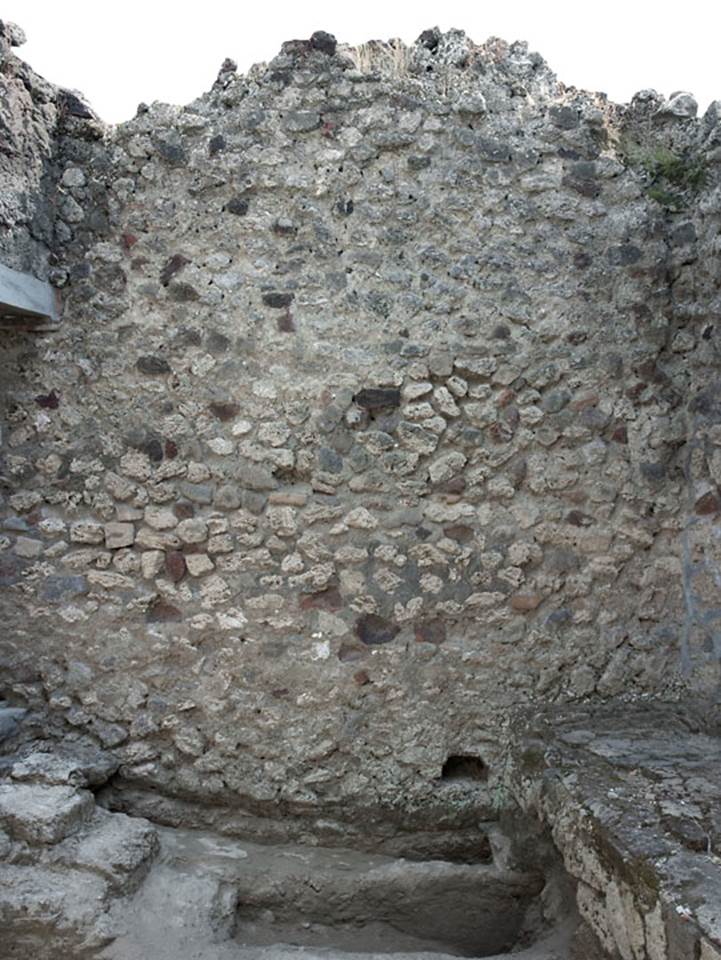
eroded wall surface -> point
(385, 404)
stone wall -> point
(35, 120)
(385, 404)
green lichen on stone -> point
(685, 172)
(666, 198)
(670, 178)
(638, 873)
(533, 761)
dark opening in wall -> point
(464, 768)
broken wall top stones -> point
(385, 404)
(37, 121)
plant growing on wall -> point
(671, 178)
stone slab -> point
(25, 299)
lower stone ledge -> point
(632, 797)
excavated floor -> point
(630, 802)
(80, 880)
(319, 901)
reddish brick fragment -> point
(48, 401)
(328, 599)
(431, 631)
(224, 410)
(163, 612)
(526, 602)
(175, 565)
(708, 505)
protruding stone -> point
(323, 42)
(227, 497)
(199, 564)
(301, 121)
(151, 563)
(446, 467)
(15, 35)
(160, 518)
(10, 717)
(681, 104)
(361, 519)
(118, 847)
(87, 532)
(119, 535)
(72, 764)
(28, 547)
(194, 530)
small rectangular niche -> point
(27, 303)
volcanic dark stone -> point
(377, 398)
(75, 107)
(152, 365)
(173, 154)
(373, 630)
(278, 300)
(323, 42)
(237, 205)
(49, 401)
(172, 266)
(163, 612)
(216, 145)
(224, 410)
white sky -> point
(121, 53)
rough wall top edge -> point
(385, 404)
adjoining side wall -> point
(384, 405)
(28, 124)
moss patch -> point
(671, 179)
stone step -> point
(47, 914)
(120, 849)
(65, 863)
(40, 814)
